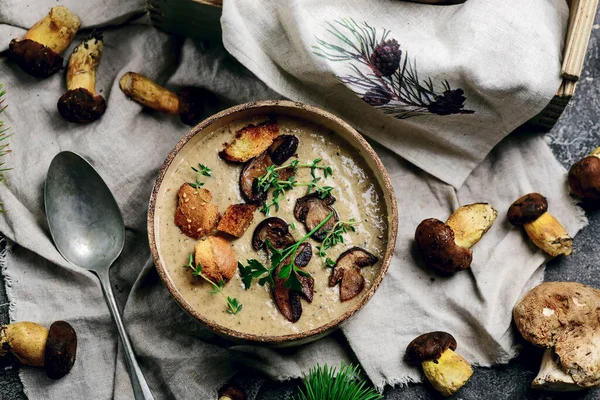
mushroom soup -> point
(357, 196)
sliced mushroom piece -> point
(347, 270)
(61, 350)
(253, 170)
(288, 300)
(312, 210)
(283, 148)
(275, 230)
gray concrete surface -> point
(576, 133)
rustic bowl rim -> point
(388, 192)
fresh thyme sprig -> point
(233, 306)
(270, 179)
(335, 236)
(201, 171)
(289, 272)
(326, 383)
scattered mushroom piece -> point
(447, 246)
(81, 103)
(283, 148)
(190, 104)
(584, 179)
(530, 211)
(232, 392)
(216, 257)
(312, 209)
(253, 170)
(195, 215)
(446, 370)
(61, 350)
(563, 318)
(33, 344)
(275, 230)
(250, 142)
(237, 219)
(347, 270)
(38, 53)
(288, 300)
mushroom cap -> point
(81, 106)
(347, 270)
(193, 104)
(34, 58)
(566, 316)
(61, 350)
(275, 230)
(435, 242)
(283, 147)
(429, 346)
(312, 209)
(233, 392)
(253, 170)
(584, 179)
(527, 208)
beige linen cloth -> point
(179, 357)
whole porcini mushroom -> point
(447, 246)
(190, 104)
(232, 392)
(563, 318)
(38, 53)
(584, 179)
(446, 371)
(81, 103)
(531, 212)
(33, 344)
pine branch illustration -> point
(3, 137)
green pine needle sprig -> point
(326, 383)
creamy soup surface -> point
(357, 194)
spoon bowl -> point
(88, 230)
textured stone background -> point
(575, 135)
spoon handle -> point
(141, 390)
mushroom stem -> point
(26, 341)
(448, 373)
(56, 30)
(549, 235)
(149, 93)
(471, 222)
(81, 72)
(551, 376)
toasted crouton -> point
(196, 216)
(250, 141)
(216, 257)
(236, 219)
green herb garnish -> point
(201, 171)
(335, 236)
(233, 306)
(289, 272)
(326, 383)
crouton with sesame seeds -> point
(195, 215)
(236, 219)
(250, 142)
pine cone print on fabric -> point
(383, 75)
(377, 96)
(385, 58)
(450, 102)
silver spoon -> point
(88, 230)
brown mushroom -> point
(237, 219)
(288, 300)
(61, 350)
(81, 103)
(253, 170)
(195, 215)
(38, 53)
(216, 257)
(447, 246)
(584, 179)
(563, 318)
(446, 371)
(312, 209)
(530, 211)
(250, 141)
(32, 344)
(275, 230)
(283, 148)
(347, 270)
(232, 392)
(190, 104)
